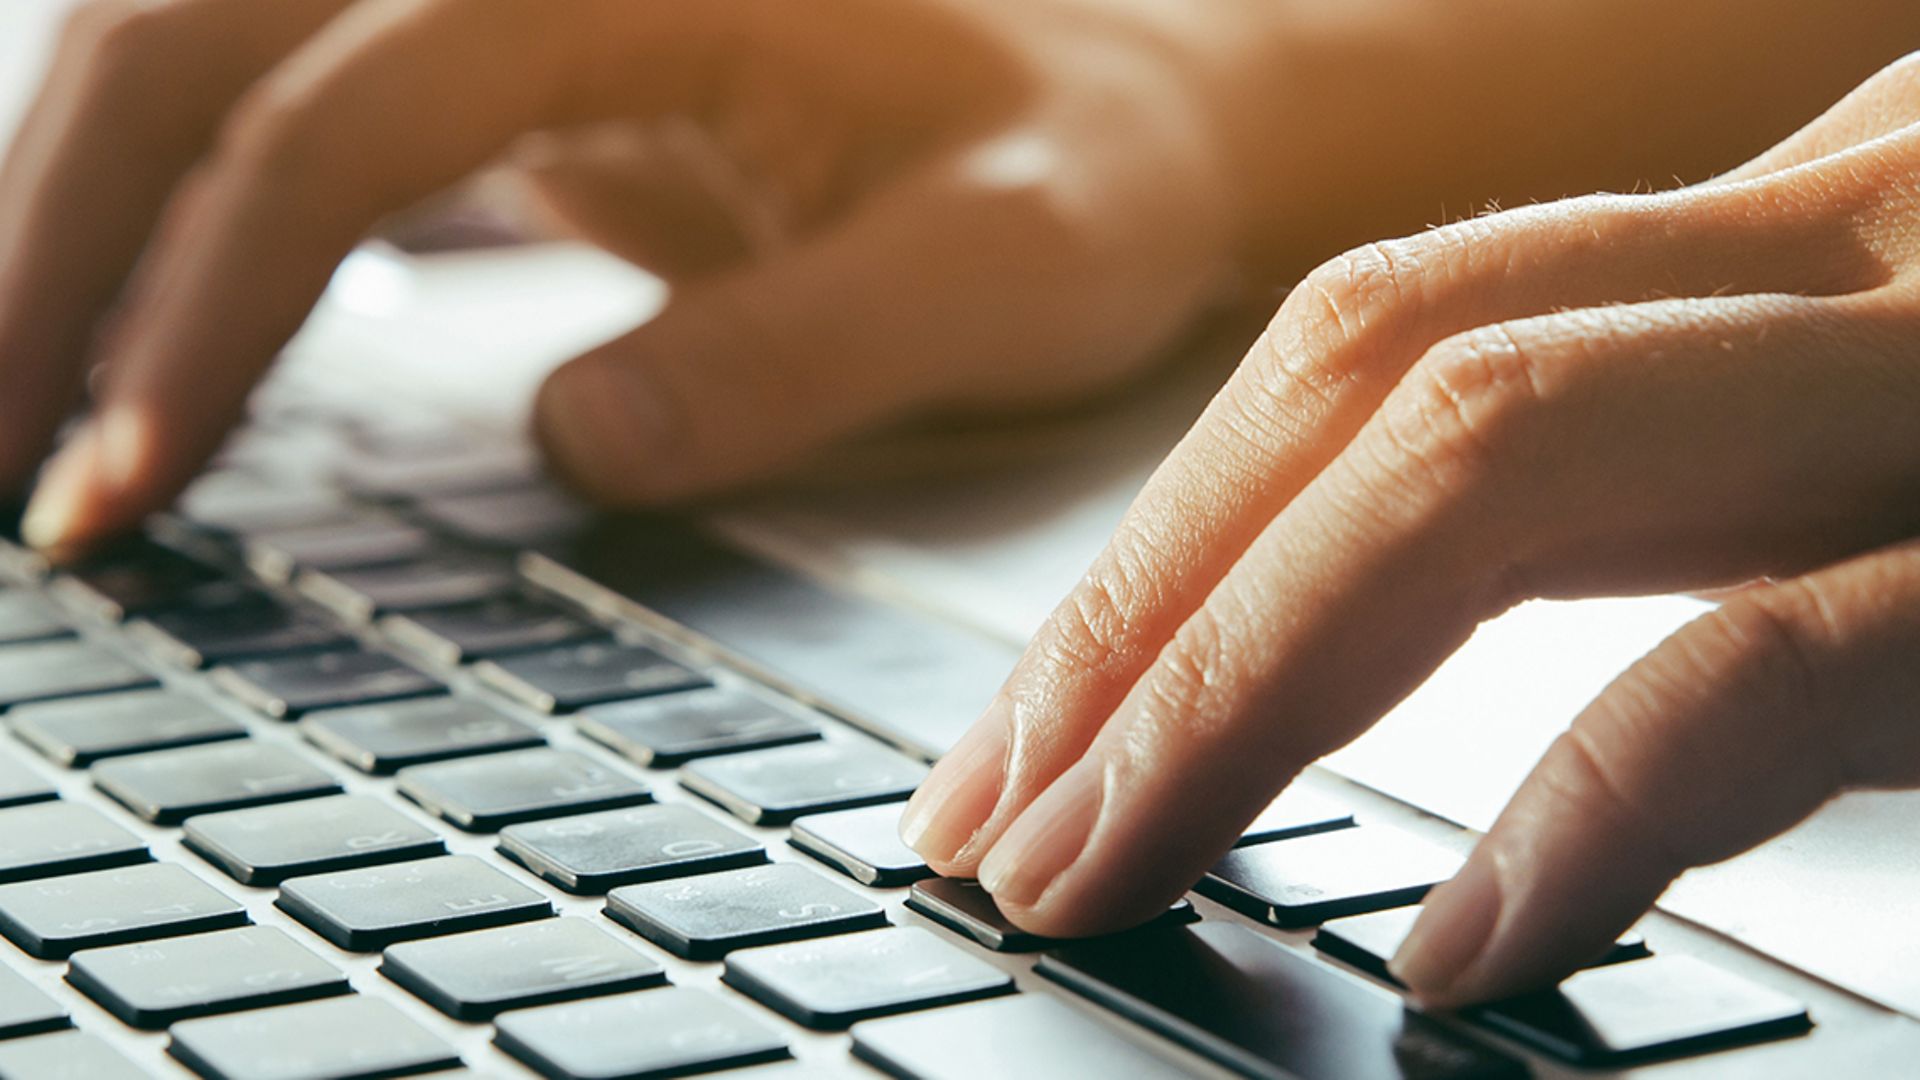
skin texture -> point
(1609, 395)
(870, 209)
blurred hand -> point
(866, 207)
(1604, 395)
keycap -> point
(1368, 941)
(1251, 1004)
(25, 617)
(667, 731)
(706, 917)
(194, 638)
(51, 838)
(1024, 1037)
(265, 845)
(966, 908)
(1301, 882)
(596, 852)
(168, 786)
(46, 670)
(523, 517)
(573, 677)
(369, 909)
(24, 1010)
(383, 738)
(478, 975)
(831, 982)
(20, 785)
(437, 470)
(772, 787)
(366, 541)
(653, 1033)
(138, 576)
(498, 627)
(51, 919)
(1297, 812)
(66, 1055)
(154, 984)
(1661, 1007)
(482, 794)
(81, 731)
(235, 501)
(291, 686)
(358, 594)
(331, 1039)
(863, 844)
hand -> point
(867, 208)
(1604, 395)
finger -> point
(1732, 731)
(393, 101)
(1880, 106)
(1340, 342)
(91, 168)
(1512, 462)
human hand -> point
(1604, 395)
(866, 208)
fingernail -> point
(961, 792)
(1046, 838)
(93, 468)
(1451, 933)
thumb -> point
(1732, 731)
(935, 291)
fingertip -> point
(944, 818)
(1438, 961)
(605, 433)
(92, 488)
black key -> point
(194, 638)
(383, 738)
(1301, 882)
(25, 617)
(483, 794)
(51, 919)
(66, 1055)
(1258, 1008)
(863, 844)
(523, 517)
(170, 786)
(140, 576)
(562, 680)
(24, 1010)
(52, 838)
(596, 852)
(369, 909)
(654, 1033)
(670, 730)
(1025, 1037)
(1656, 1008)
(706, 917)
(336, 1039)
(370, 541)
(966, 908)
(771, 787)
(291, 686)
(81, 731)
(479, 975)
(508, 624)
(154, 984)
(1297, 812)
(833, 982)
(265, 845)
(1369, 941)
(20, 785)
(357, 595)
(58, 669)
(441, 469)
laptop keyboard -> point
(310, 784)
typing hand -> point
(867, 207)
(1606, 395)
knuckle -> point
(1466, 400)
(1359, 295)
(1190, 671)
(118, 40)
(1097, 625)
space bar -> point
(1257, 1008)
